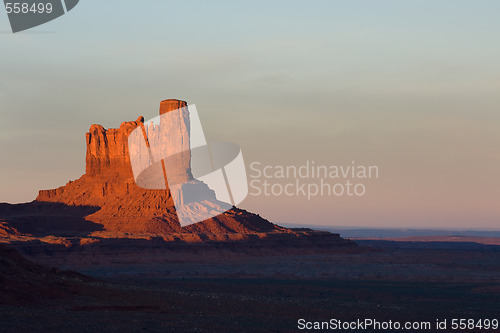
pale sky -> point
(410, 86)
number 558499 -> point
(25, 8)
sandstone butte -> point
(106, 203)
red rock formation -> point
(171, 104)
(108, 184)
(106, 204)
(107, 150)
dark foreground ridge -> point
(264, 294)
(23, 282)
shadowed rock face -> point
(108, 184)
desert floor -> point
(233, 292)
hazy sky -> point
(410, 86)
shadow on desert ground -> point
(227, 291)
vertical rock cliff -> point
(107, 150)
